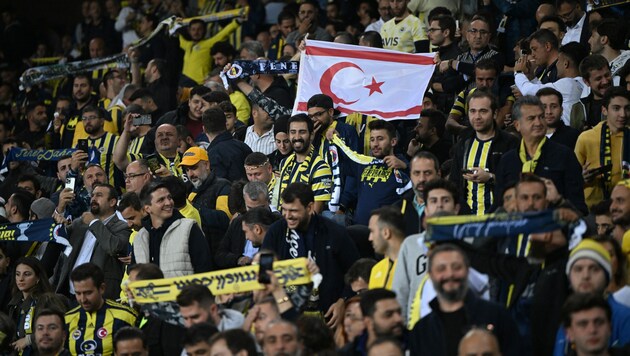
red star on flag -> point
(374, 87)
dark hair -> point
(88, 271)
(214, 120)
(299, 191)
(578, 302)
(33, 105)
(216, 97)
(570, 2)
(198, 21)
(370, 297)
(143, 94)
(315, 335)
(195, 293)
(161, 65)
(236, 200)
(22, 201)
(43, 286)
(479, 17)
(224, 47)
(550, 92)
(261, 216)
(100, 112)
(487, 64)
(7, 326)
(553, 18)
(111, 191)
(601, 208)
(345, 37)
(543, 37)
(387, 340)
(84, 76)
(531, 178)
(178, 191)
(373, 38)
(109, 75)
(147, 191)
(199, 90)
(256, 159)
(197, 333)
(285, 15)
(130, 200)
(129, 333)
(383, 125)
(281, 125)
(614, 30)
(592, 62)
(620, 275)
(437, 120)
(428, 155)
(391, 217)
(30, 178)
(447, 247)
(437, 12)
(361, 268)
(146, 271)
(236, 340)
(575, 52)
(480, 93)
(48, 312)
(441, 183)
(445, 22)
(227, 106)
(614, 92)
(623, 72)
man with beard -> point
(557, 130)
(540, 156)
(387, 235)
(82, 97)
(256, 223)
(595, 72)
(321, 111)
(606, 144)
(404, 32)
(209, 195)
(75, 201)
(571, 12)
(166, 144)
(382, 316)
(36, 122)
(424, 167)
(50, 335)
(456, 309)
(620, 206)
(375, 181)
(308, 24)
(282, 339)
(476, 158)
(305, 165)
(303, 233)
(167, 239)
(429, 132)
(99, 236)
(441, 33)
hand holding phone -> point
(82, 145)
(153, 162)
(266, 264)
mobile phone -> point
(153, 162)
(265, 264)
(602, 169)
(141, 120)
(468, 171)
(82, 145)
(70, 181)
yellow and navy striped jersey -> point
(105, 147)
(313, 171)
(171, 163)
(135, 145)
(361, 123)
(478, 195)
(93, 333)
(460, 108)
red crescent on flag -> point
(327, 77)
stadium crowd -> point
(171, 171)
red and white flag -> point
(373, 81)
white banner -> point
(383, 83)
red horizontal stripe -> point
(375, 56)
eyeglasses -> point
(434, 29)
(474, 32)
(567, 16)
(86, 118)
(318, 114)
(131, 176)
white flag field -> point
(383, 83)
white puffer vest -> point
(174, 256)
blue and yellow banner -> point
(22, 154)
(446, 228)
(227, 281)
(42, 230)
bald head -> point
(97, 47)
(544, 10)
(166, 141)
(479, 342)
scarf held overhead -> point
(227, 281)
(492, 225)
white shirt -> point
(264, 144)
(570, 88)
(574, 33)
(129, 35)
(375, 26)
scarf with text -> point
(605, 157)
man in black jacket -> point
(301, 233)
(456, 309)
(477, 157)
(560, 133)
(540, 156)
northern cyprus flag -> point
(383, 83)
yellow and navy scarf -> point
(605, 157)
(530, 163)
